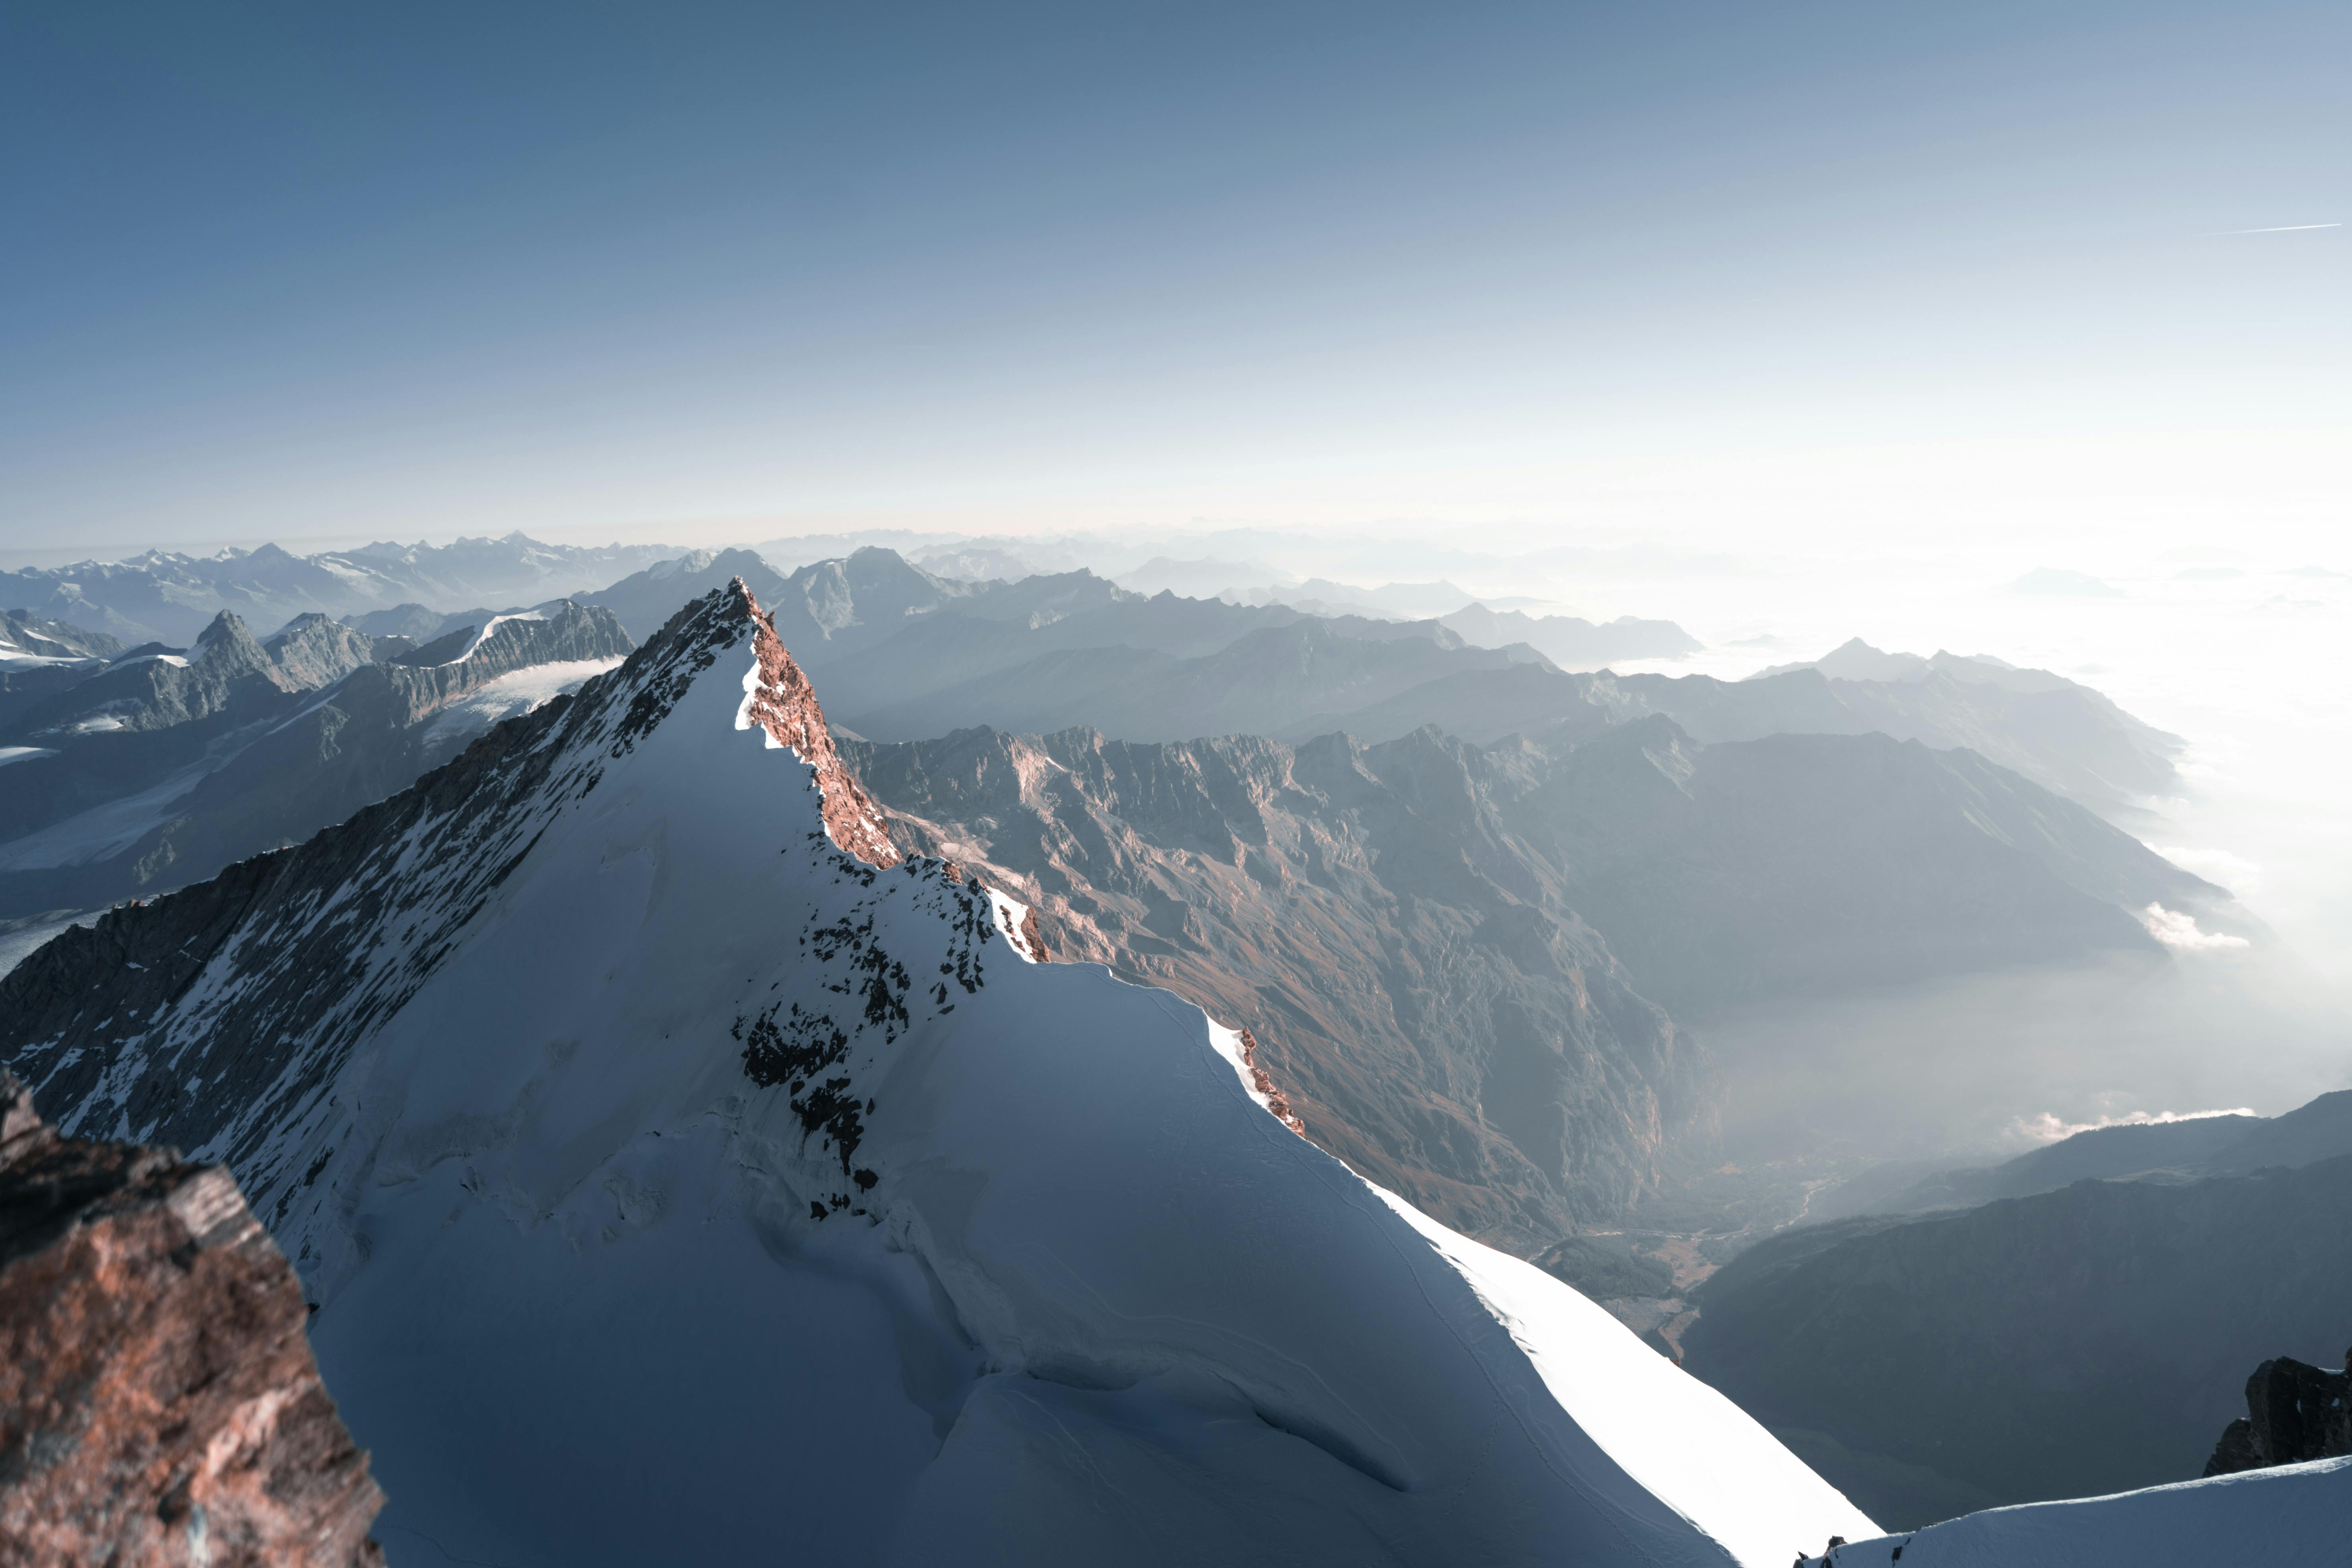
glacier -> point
(679, 1174)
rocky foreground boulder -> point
(2295, 1413)
(158, 1402)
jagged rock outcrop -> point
(158, 1402)
(312, 651)
(2294, 1412)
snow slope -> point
(676, 1186)
(2295, 1514)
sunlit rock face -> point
(157, 1401)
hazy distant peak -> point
(1568, 642)
(1855, 659)
(1206, 577)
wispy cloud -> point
(2178, 929)
(2048, 1128)
(2283, 229)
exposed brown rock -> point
(1265, 1085)
(785, 705)
(1034, 939)
(157, 1401)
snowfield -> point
(2295, 1514)
(508, 695)
(677, 1187)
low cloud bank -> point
(2178, 929)
(2047, 1128)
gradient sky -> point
(702, 270)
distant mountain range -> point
(172, 598)
(2080, 1338)
(154, 768)
(1568, 642)
(1046, 652)
(2186, 1150)
(909, 655)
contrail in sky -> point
(2283, 229)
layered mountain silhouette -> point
(162, 597)
(2083, 1338)
(909, 655)
(1570, 642)
(2177, 1151)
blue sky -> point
(705, 271)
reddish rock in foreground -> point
(158, 1402)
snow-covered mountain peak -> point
(682, 1176)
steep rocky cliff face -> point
(1434, 1012)
(158, 1402)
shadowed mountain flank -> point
(1434, 1011)
(2082, 1340)
(1805, 864)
